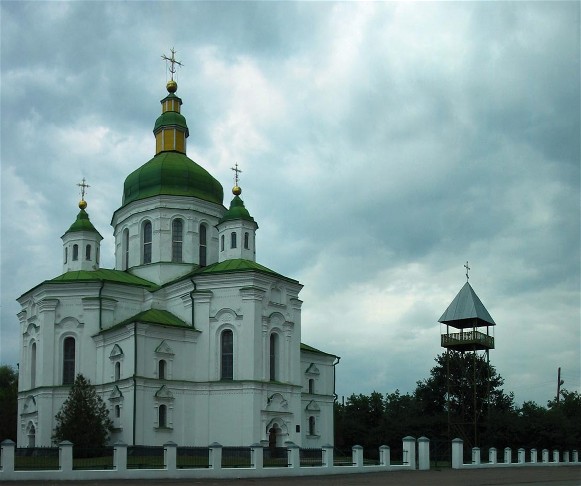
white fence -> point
(547, 458)
(416, 455)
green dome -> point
(236, 211)
(82, 223)
(172, 174)
(171, 119)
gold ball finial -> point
(82, 204)
(172, 86)
(236, 190)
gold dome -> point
(172, 86)
(236, 191)
(82, 204)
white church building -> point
(188, 339)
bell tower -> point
(468, 346)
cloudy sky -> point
(382, 145)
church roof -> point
(104, 274)
(238, 265)
(82, 223)
(173, 174)
(465, 308)
(310, 349)
(159, 317)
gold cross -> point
(83, 185)
(172, 61)
(237, 171)
(467, 270)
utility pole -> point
(559, 383)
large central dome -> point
(173, 174)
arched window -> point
(177, 238)
(97, 256)
(33, 365)
(273, 353)
(75, 252)
(311, 386)
(203, 243)
(117, 411)
(117, 371)
(88, 252)
(32, 436)
(246, 245)
(69, 361)
(161, 369)
(227, 355)
(66, 254)
(146, 242)
(233, 240)
(222, 243)
(312, 425)
(162, 416)
(125, 249)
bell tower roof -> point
(467, 310)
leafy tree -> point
(84, 418)
(8, 402)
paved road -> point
(511, 476)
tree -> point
(84, 418)
(8, 402)
(474, 390)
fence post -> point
(120, 456)
(327, 451)
(170, 453)
(7, 450)
(66, 456)
(457, 453)
(384, 456)
(555, 455)
(545, 455)
(566, 456)
(521, 456)
(507, 455)
(423, 454)
(409, 450)
(256, 456)
(294, 454)
(575, 455)
(357, 455)
(492, 455)
(533, 456)
(215, 456)
(476, 455)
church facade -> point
(188, 339)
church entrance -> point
(32, 436)
(275, 448)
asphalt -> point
(509, 476)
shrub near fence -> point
(93, 458)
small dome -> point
(82, 223)
(171, 119)
(236, 211)
(174, 174)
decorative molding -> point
(312, 369)
(164, 348)
(116, 352)
(164, 394)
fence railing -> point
(170, 461)
(36, 458)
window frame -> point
(147, 242)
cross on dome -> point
(83, 185)
(467, 270)
(172, 61)
(236, 190)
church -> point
(188, 339)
